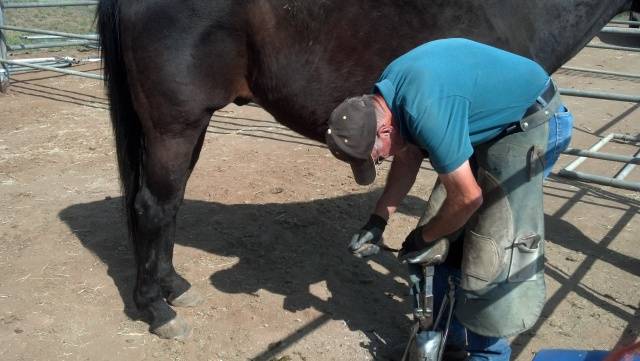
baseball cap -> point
(352, 135)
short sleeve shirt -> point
(452, 94)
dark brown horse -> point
(170, 64)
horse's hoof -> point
(191, 298)
(430, 256)
(175, 329)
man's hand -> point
(364, 244)
(416, 250)
(414, 241)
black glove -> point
(416, 250)
(364, 243)
(414, 241)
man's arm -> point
(464, 197)
(401, 177)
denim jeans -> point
(560, 128)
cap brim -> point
(364, 172)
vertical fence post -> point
(4, 67)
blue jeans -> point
(560, 128)
(481, 348)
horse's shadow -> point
(283, 248)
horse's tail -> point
(127, 129)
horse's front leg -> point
(168, 164)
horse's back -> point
(299, 58)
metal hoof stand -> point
(61, 39)
(427, 340)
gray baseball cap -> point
(352, 135)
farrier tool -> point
(427, 341)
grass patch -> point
(623, 16)
(69, 19)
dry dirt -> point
(262, 233)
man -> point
(482, 116)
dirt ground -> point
(262, 234)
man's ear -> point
(385, 130)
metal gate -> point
(60, 39)
(630, 162)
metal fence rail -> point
(617, 181)
(51, 68)
(48, 4)
(600, 95)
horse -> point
(169, 65)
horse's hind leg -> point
(177, 79)
(172, 147)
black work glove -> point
(414, 242)
(364, 244)
(416, 250)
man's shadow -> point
(283, 248)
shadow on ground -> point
(282, 248)
(286, 248)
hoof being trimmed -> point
(175, 329)
(433, 255)
(191, 298)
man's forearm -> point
(464, 197)
(402, 176)
(449, 219)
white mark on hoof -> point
(175, 329)
(191, 298)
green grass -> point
(69, 19)
(623, 16)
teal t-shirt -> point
(452, 94)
